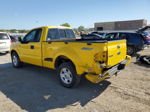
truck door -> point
(30, 49)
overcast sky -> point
(27, 14)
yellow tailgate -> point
(116, 52)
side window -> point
(123, 36)
(53, 34)
(112, 36)
(38, 35)
(69, 34)
(62, 33)
(33, 36)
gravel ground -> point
(36, 89)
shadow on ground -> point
(2, 54)
(5, 65)
(37, 89)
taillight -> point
(104, 54)
(10, 41)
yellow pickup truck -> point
(57, 48)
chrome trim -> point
(114, 69)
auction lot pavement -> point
(36, 89)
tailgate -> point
(116, 52)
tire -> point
(67, 75)
(130, 50)
(16, 60)
(6, 52)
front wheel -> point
(67, 75)
(15, 60)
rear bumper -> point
(109, 72)
(116, 69)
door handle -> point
(32, 47)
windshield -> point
(3, 36)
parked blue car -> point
(146, 37)
(145, 34)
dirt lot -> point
(36, 89)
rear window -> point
(3, 36)
(70, 34)
(56, 34)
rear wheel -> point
(67, 75)
(15, 60)
(130, 50)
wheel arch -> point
(13, 51)
(61, 59)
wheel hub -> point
(66, 75)
(15, 60)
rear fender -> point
(73, 56)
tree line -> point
(79, 29)
(14, 31)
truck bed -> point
(83, 40)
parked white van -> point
(5, 42)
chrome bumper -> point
(115, 69)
